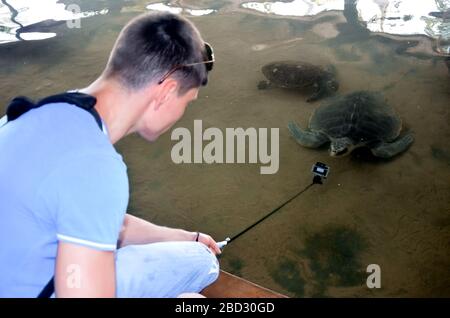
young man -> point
(64, 188)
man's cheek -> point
(180, 113)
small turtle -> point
(359, 119)
(300, 75)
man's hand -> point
(209, 242)
(84, 272)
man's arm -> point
(84, 272)
(139, 231)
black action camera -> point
(320, 171)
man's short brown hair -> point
(152, 44)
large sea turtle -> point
(355, 120)
(300, 75)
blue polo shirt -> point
(60, 180)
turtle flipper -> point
(305, 138)
(389, 150)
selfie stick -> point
(223, 243)
(320, 172)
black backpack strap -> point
(84, 101)
(48, 290)
(20, 105)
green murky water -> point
(392, 213)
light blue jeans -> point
(165, 269)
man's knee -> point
(165, 269)
(206, 268)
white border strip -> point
(110, 247)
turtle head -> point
(341, 147)
(332, 85)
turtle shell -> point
(293, 74)
(362, 116)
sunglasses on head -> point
(209, 63)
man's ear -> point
(167, 91)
